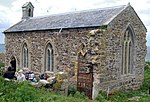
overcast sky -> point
(11, 12)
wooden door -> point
(85, 76)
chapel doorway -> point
(85, 76)
(13, 63)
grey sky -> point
(10, 10)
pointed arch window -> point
(25, 55)
(49, 58)
(127, 52)
(29, 12)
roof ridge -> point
(79, 11)
(125, 6)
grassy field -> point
(11, 91)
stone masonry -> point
(104, 43)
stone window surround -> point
(49, 41)
(25, 55)
(49, 58)
(128, 51)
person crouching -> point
(20, 76)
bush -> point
(71, 91)
(148, 62)
(147, 65)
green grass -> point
(11, 91)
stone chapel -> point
(105, 48)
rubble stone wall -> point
(65, 45)
(110, 77)
(103, 45)
(2, 57)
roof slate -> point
(26, 4)
(87, 18)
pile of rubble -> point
(50, 80)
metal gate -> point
(84, 76)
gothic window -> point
(25, 55)
(49, 58)
(127, 52)
(29, 12)
(52, 60)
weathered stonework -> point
(114, 80)
(104, 44)
(2, 57)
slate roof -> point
(87, 18)
(26, 4)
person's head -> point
(20, 71)
(9, 68)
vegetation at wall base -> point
(2, 64)
(11, 91)
(140, 95)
